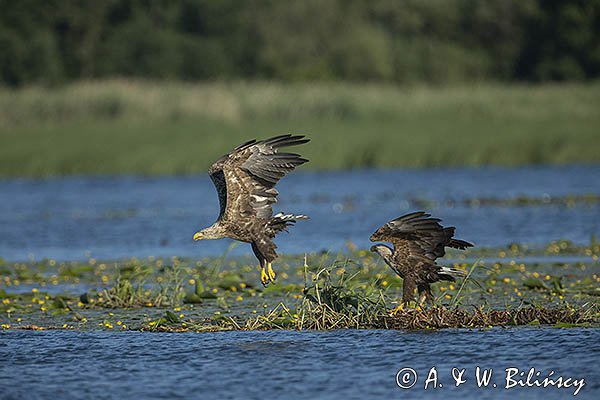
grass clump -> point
(134, 292)
(440, 317)
(332, 301)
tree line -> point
(401, 41)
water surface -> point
(113, 217)
(281, 364)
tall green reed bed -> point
(179, 128)
(348, 290)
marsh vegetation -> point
(319, 291)
(163, 128)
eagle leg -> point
(425, 295)
(264, 278)
(271, 272)
(408, 289)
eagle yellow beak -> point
(197, 236)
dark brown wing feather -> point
(246, 177)
(417, 237)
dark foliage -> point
(436, 41)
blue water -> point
(295, 365)
(114, 217)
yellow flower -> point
(34, 290)
(451, 286)
(506, 280)
(239, 298)
(384, 283)
(192, 281)
(5, 326)
(6, 301)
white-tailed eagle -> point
(245, 180)
(418, 241)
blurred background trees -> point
(401, 41)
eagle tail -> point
(452, 273)
(280, 221)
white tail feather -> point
(453, 272)
(280, 217)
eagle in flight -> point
(245, 179)
(418, 241)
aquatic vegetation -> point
(569, 201)
(439, 318)
(317, 291)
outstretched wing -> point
(418, 237)
(246, 177)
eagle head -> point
(382, 250)
(212, 232)
(198, 236)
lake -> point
(77, 218)
(297, 365)
(113, 217)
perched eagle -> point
(418, 241)
(245, 180)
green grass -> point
(317, 291)
(133, 127)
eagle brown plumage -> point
(245, 180)
(418, 241)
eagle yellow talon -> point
(397, 310)
(264, 278)
(271, 272)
